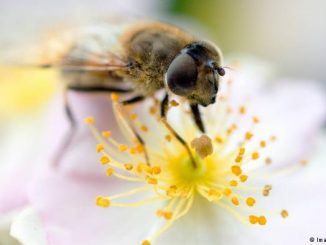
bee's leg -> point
(94, 89)
(164, 110)
(138, 137)
(72, 122)
(133, 100)
(197, 117)
(69, 136)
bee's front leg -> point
(197, 117)
(164, 110)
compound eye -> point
(182, 75)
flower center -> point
(220, 173)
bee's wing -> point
(94, 47)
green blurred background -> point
(290, 34)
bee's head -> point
(194, 73)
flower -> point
(163, 171)
(69, 215)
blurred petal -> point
(293, 111)
(67, 207)
(28, 228)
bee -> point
(146, 57)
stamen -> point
(266, 190)
(145, 242)
(236, 170)
(284, 213)
(104, 160)
(250, 201)
(99, 148)
(89, 120)
(114, 97)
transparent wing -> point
(93, 47)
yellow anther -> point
(229, 130)
(159, 212)
(255, 155)
(248, 135)
(128, 166)
(98, 200)
(152, 110)
(253, 219)
(147, 169)
(262, 143)
(221, 97)
(262, 220)
(266, 190)
(139, 148)
(233, 183)
(174, 103)
(114, 97)
(104, 160)
(105, 203)
(218, 139)
(145, 242)
(284, 213)
(238, 159)
(99, 148)
(214, 193)
(250, 201)
(229, 110)
(227, 191)
(236, 170)
(243, 178)
(144, 128)
(235, 201)
(133, 150)
(171, 191)
(255, 119)
(303, 162)
(242, 110)
(168, 138)
(139, 167)
(273, 138)
(109, 172)
(167, 215)
(234, 126)
(106, 134)
(123, 147)
(156, 169)
(133, 116)
(102, 202)
(242, 151)
(151, 181)
(268, 160)
(89, 120)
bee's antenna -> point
(228, 67)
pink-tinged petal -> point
(18, 161)
(293, 111)
(67, 207)
(80, 157)
(28, 229)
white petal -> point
(28, 228)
